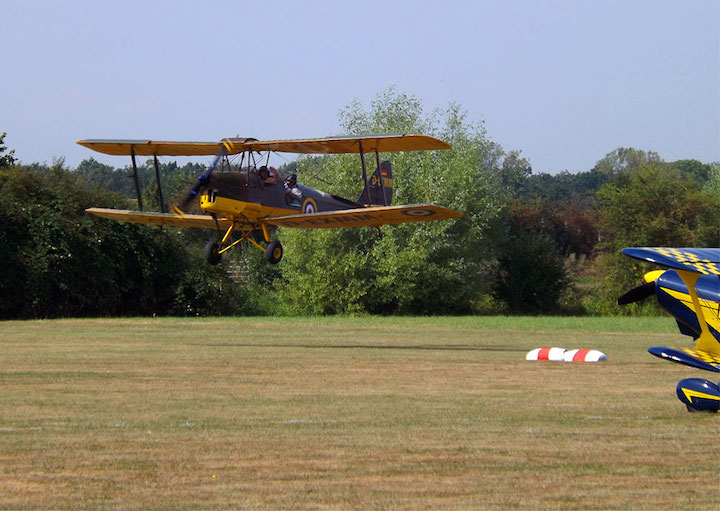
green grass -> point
(347, 413)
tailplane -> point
(380, 194)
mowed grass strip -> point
(347, 413)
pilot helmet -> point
(291, 180)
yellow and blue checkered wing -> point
(697, 260)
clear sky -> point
(564, 81)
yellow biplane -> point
(255, 200)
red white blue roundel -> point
(309, 206)
(418, 212)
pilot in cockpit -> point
(268, 175)
(293, 195)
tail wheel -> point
(211, 252)
(273, 252)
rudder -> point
(376, 190)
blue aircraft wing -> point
(693, 358)
(697, 260)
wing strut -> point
(382, 179)
(706, 341)
(137, 181)
(364, 172)
(157, 176)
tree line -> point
(527, 243)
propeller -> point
(202, 179)
(641, 292)
(638, 293)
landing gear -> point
(273, 252)
(254, 235)
(212, 254)
(699, 395)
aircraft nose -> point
(652, 276)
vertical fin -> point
(376, 189)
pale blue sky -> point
(565, 81)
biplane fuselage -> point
(672, 294)
(234, 194)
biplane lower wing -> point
(161, 219)
(365, 217)
(692, 358)
(360, 217)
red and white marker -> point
(585, 356)
(553, 354)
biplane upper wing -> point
(331, 145)
(698, 260)
(363, 217)
(149, 218)
(151, 148)
(346, 145)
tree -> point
(539, 238)
(572, 230)
(564, 187)
(422, 268)
(93, 174)
(652, 205)
(625, 159)
(694, 170)
(6, 160)
(515, 170)
(532, 274)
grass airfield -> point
(348, 413)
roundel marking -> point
(309, 206)
(418, 212)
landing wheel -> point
(211, 252)
(273, 252)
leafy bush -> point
(60, 261)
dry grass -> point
(344, 413)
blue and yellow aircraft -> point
(255, 200)
(690, 291)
